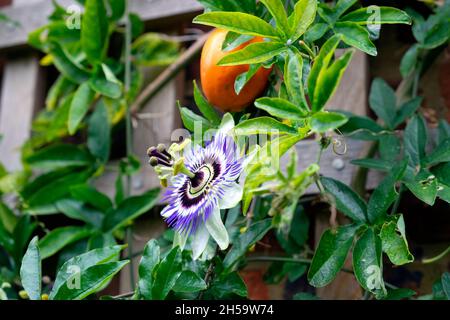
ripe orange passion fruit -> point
(218, 81)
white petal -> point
(232, 197)
(180, 240)
(199, 241)
(217, 229)
(227, 124)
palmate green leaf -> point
(58, 238)
(368, 264)
(302, 17)
(346, 200)
(423, 185)
(105, 83)
(245, 77)
(281, 108)
(31, 271)
(129, 209)
(94, 30)
(414, 139)
(385, 194)
(293, 78)
(262, 125)
(276, 9)
(409, 60)
(407, 110)
(205, 108)
(254, 233)
(92, 280)
(254, 53)
(91, 196)
(166, 274)
(67, 66)
(440, 154)
(147, 265)
(99, 133)
(321, 62)
(77, 210)
(356, 36)
(324, 121)
(330, 255)
(394, 243)
(382, 101)
(377, 15)
(81, 263)
(81, 102)
(189, 281)
(192, 120)
(242, 23)
(59, 156)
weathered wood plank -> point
(21, 94)
(34, 15)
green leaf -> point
(324, 121)
(147, 265)
(31, 271)
(368, 264)
(265, 125)
(166, 274)
(302, 17)
(409, 60)
(316, 32)
(440, 154)
(234, 40)
(346, 200)
(21, 235)
(321, 63)
(59, 156)
(105, 83)
(58, 238)
(130, 209)
(424, 185)
(305, 296)
(253, 234)
(293, 78)
(92, 280)
(378, 15)
(253, 53)
(278, 12)
(152, 49)
(81, 102)
(394, 243)
(446, 284)
(189, 281)
(280, 108)
(99, 133)
(330, 255)
(360, 127)
(399, 294)
(356, 36)
(7, 218)
(65, 64)
(6, 239)
(443, 131)
(245, 77)
(389, 147)
(79, 264)
(227, 286)
(117, 9)
(94, 30)
(61, 87)
(385, 194)
(407, 110)
(415, 139)
(90, 195)
(205, 108)
(382, 101)
(242, 23)
(191, 120)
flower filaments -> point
(192, 198)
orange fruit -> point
(218, 81)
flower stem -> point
(129, 134)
